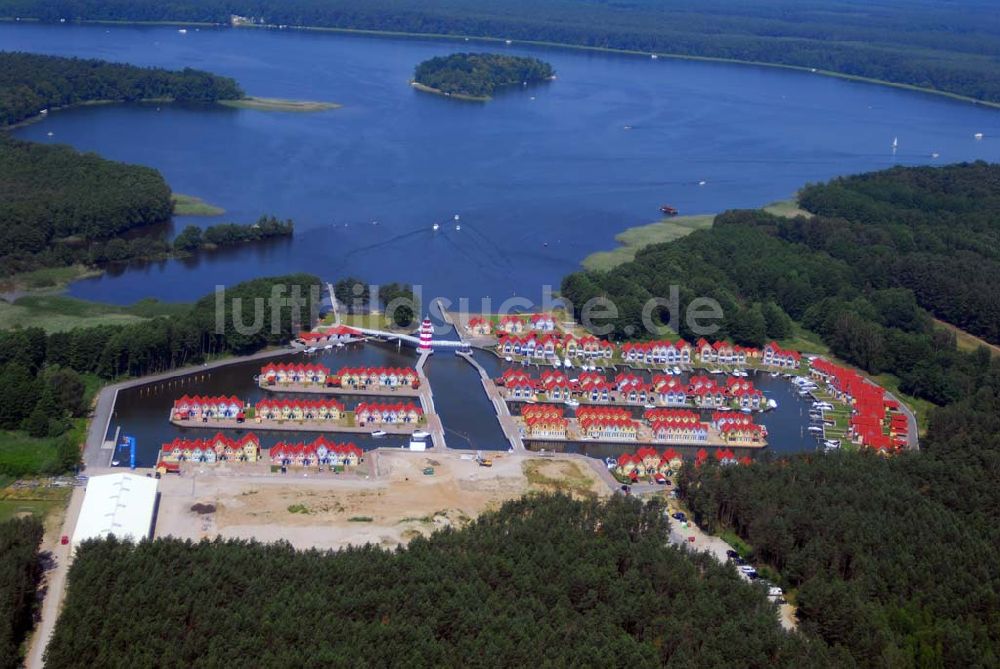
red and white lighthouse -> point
(426, 337)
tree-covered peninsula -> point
(478, 76)
(30, 83)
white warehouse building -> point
(117, 504)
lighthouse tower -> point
(426, 337)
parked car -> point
(64, 540)
(691, 539)
(731, 554)
(660, 478)
(679, 516)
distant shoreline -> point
(541, 43)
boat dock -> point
(508, 424)
(434, 424)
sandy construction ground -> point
(389, 504)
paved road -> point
(54, 582)
(680, 536)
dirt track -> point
(396, 503)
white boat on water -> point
(978, 136)
(435, 227)
(572, 403)
(421, 434)
(183, 31)
(328, 347)
(677, 371)
(567, 362)
(772, 404)
(775, 375)
(379, 433)
(507, 358)
(716, 371)
(746, 410)
(649, 406)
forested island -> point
(31, 83)
(928, 45)
(477, 76)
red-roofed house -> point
(480, 327)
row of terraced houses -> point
(482, 326)
(647, 461)
(876, 421)
(219, 448)
(246, 449)
(319, 452)
(541, 346)
(378, 413)
(631, 388)
(326, 409)
(365, 378)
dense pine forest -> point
(918, 42)
(542, 581)
(935, 232)
(30, 83)
(480, 75)
(862, 281)
(20, 572)
(43, 373)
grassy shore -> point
(49, 278)
(667, 230)
(633, 239)
(278, 104)
(189, 205)
(967, 341)
(58, 313)
(454, 96)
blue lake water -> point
(540, 177)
